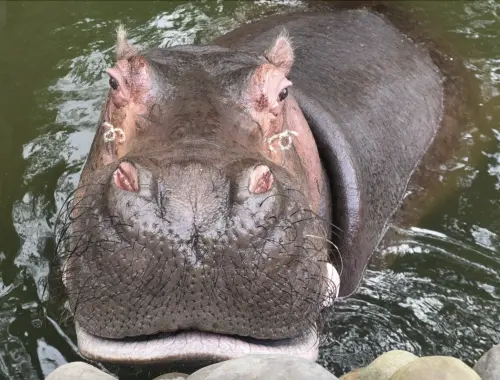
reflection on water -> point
(433, 290)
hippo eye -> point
(283, 94)
(113, 83)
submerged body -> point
(230, 186)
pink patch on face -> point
(121, 95)
(261, 180)
(125, 177)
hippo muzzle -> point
(194, 231)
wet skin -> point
(229, 186)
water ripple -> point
(437, 289)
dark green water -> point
(435, 290)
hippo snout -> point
(191, 245)
(194, 208)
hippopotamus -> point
(233, 190)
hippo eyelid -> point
(113, 83)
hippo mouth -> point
(189, 346)
(198, 346)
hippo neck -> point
(340, 203)
(325, 203)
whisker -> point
(336, 248)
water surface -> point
(434, 290)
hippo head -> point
(198, 229)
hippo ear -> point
(124, 50)
(280, 54)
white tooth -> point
(333, 278)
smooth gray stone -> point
(488, 365)
(78, 371)
(172, 376)
(253, 367)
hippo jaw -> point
(190, 346)
(198, 346)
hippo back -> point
(374, 101)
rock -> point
(78, 371)
(436, 368)
(386, 365)
(276, 367)
(488, 366)
(172, 376)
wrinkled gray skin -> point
(183, 261)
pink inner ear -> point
(121, 95)
(124, 50)
(281, 53)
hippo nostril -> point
(125, 177)
(261, 180)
